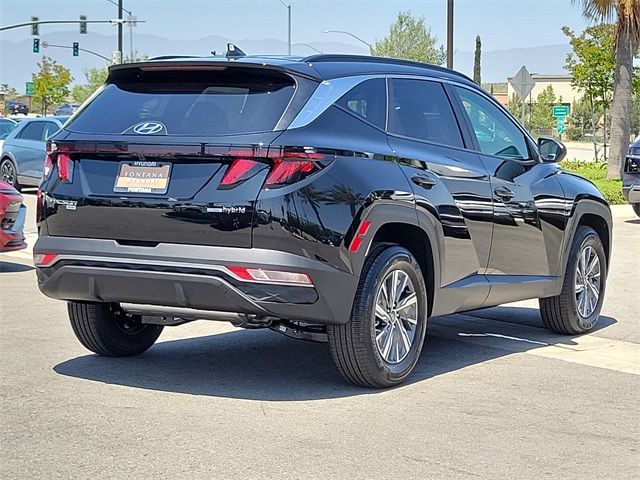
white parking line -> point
(588, 350)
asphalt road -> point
(494, 396)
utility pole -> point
(120, 28)
(288, 5)
(450, 34)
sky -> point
(502, 24)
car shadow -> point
(10, 267)
(262, 365)
(635, 221)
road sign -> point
(522, 83)
(560, 110)
(560, 125)
(29, 88)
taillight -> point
(283, 171)
(238, 171)
(60, 155)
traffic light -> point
(34, 28)
(36, 45)
(83, 24)
(76, 49)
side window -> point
(496, 133)
(32, 131)
(367, 100)
(420, 109)
(49, 129)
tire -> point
(636, 208)
(106, 330)
(9, 173)
(566, 314)
(360, 348)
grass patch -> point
(596, 171)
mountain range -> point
(17, 62)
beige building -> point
(561, 87)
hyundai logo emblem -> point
(148, 128)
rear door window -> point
(367, 101)
(200, 102)
(33, 131)
(420, 109)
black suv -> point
(333, 198)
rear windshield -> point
(204, 102)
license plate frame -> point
(142, 177)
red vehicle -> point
(12, 216)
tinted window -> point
(49, 129)
(33, 131)
(367, 101)
(5, 129)
(420, 109)
(496, 133)
(209, 102)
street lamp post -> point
(351, 35)
(130, 22)
(450, 34)
(288, 5)
(308, 46)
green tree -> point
(410, 39)
(95, 78)
(591, 65)
(626, 14)
(582, 120)
(541, 114)
(51, 83)
(476, 61)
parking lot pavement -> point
(494, 396)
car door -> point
(520, 184)
(33, 147)
(450, 184)
(27, 148)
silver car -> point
(24, 150)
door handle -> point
(504, 192)
(423, 180)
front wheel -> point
(106, 330)
(381, 344)
(577, 308)
(636, 208)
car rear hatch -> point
(173, 153)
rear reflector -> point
(44, 259)
(271, 276)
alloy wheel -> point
(587, 282)
(396, 313)
(8, 172)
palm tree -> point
(627, 16)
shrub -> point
(596, 171)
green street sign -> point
(29, 88)
(560, 125)
(560, 110)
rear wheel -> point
(8, 173)
(381, 344)
(107, 330)
(577, 308)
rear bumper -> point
(192, 276)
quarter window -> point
(367, 100)
(496, 133)
(420, 109)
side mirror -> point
(551, 150)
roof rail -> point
(371, 59)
